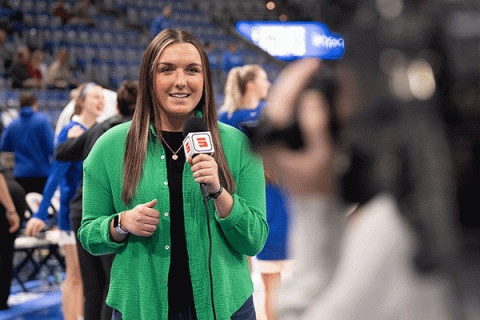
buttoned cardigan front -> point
(139, 275)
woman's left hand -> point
(205, 170)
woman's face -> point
(261, 84)
(94, 102)
(178, 82)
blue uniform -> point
(231, 60)
(277, 215)
(66, 174)
(241, 119)
(30, 138)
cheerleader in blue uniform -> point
(89, 105)
(245, 89)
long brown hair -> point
(147, 111)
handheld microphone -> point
(197, 140)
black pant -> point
(246, 312)
(32, 184)
(95, 272)
(7, 240)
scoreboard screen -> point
(293, 40)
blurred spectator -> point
(37, 68)
(62, 12)
(81, 13)
(19, 70)
(232, 57)
(59, 74)
(13, 205)
(6, 51)
(30, 138)
(38, 64)
(213, 59)
(11, 20)
(158, 24)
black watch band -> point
(216, 194)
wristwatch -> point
(117, 223)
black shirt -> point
(180, 292)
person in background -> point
(30, 138)
(109, 110)
(159, 23)
(95, 270)
(384, 260)
(13, 205)
(231, 58)
(61, 12)
(11, 19)
(245, 90)
(81, 13)
(19, 70)
(59, 74)
(6, 50)
(213, 59)
(37, 68)
(142, 199)
(89, 105)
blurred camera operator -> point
(359, 265)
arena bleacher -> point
(110, 50)
(107, 51)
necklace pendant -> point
(174, 157)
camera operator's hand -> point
(308, 170)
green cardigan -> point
(139, 275)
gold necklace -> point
(174, 156)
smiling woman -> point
(155, 219)
(179, 84)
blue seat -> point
(119, 38)
(108, 38)
(40, 6)
(71, 37)
(58, 35)
(134, 71)
(3, 95)
(96, 37)
(105, 53)
(118, 54)
(41, 98)
(51, 99)
(90, 52)
(83, 37)
(27, 5)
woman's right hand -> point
(34, 226)
(141, 220)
